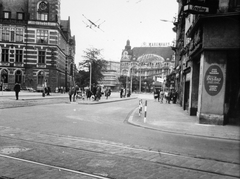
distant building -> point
(36, 46)
(111, 75)
(147, 62)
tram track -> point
(105, 148)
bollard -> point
(140, 107)
(145, 112)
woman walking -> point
(70, 93)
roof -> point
(64, 24)
(165, 52)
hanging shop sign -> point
(213, 80)
(194, 9)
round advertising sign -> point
(213, 80)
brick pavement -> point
(108, 159)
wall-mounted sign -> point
(193, 9)
(157, 44)
(213, 80)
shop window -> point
(41, 57)
(18, 76)
(5, 55)
(19, 56)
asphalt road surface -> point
(56, 139)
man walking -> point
(17, 90)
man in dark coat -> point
(17, 89)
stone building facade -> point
(207, 60)
(36, 46)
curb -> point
(131, 122)
(107, 101)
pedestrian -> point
(124, 92)
(156, 94)
(174, 96)
(94, 91)
(121, 93)
(48, 90)
(166, 95)
(70, 93)
(17, 89)
(107, 93)
(128, 93)
(88, 93)
(75, 89)
(161, 96)
(98, 94)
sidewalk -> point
(26, 95)
(171, 118)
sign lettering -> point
(213, 80)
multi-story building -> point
(147, 62)
(36, 46)
(111, 75)
(207, 59)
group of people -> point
(95, 94)
(168, 95)
(124, 93)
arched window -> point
(42, 11)
(4, 76)
(40, 78)
(18, 76)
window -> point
(19, 35)
(40, 78)
(6, 15)
(42, 36)
(20, 16)
(5, 34)
(19, 56)
(18, 76)
(12, 36)
(5, 55)
(4, 76)
(42, 17)
(42, 12)
(41, 57)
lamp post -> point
(90, 76)
(140, 79)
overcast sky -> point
(136, 20)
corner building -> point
(207, 59)
(36, 46)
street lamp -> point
(90, 74)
